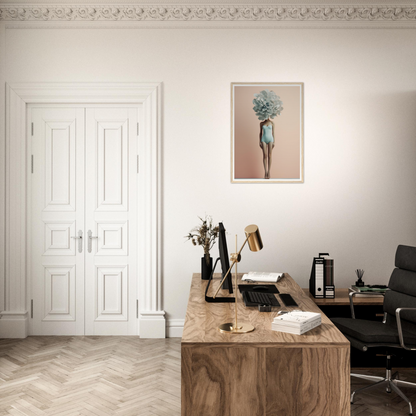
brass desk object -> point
(255, 243)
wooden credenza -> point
(342, 299)
(265, 372)
(366, 307)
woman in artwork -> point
(266, 106)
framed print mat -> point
(267, 132)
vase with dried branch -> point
(204, 235)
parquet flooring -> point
(126, 376)
(90, 376)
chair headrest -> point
(403, 281)
(406, 258)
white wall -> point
(358, 201)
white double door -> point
(83, 220)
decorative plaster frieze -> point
(334, 13)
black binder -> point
(321, 282)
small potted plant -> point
(204, 235)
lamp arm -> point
(232, 265)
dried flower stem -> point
(204, 235)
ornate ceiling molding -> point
(333, 13)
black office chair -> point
(398, 329)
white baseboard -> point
(14, 324)
(152, 324)
(175, 328)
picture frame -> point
(269, 150)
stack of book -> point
(296, 322)
(368, 291)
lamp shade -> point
(254, 238)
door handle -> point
(79, 238)
(90, 237)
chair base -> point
(390, 381)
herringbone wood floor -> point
(91, 376)
(126, 376)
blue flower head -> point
(267, 104)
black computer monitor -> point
(225, 262)
(225, 265)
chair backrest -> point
(402, 285)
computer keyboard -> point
(256, 298)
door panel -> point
(112, 286)
(112, 238)
(112, 165)
(60, 299)
(58, 241)
(57, 205)
(60, 165)
(111, 216)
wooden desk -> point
(265, 372)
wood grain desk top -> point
(203, 318)
(342, 298)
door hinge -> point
(32, 129)
(32, 164)
(138, 128)
(137, 308)
(138, 164)
(31, 308)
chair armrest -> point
(399, 327)
(352, 294)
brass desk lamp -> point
(255, 244)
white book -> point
(262, 277)
(296, 324)
(296, 330)
(296, 318)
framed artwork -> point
(267, 132)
